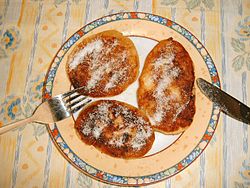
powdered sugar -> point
(142, 134)
(118, 75)
(100, 60)
(113, 80)
(97, 121)
(97, 131)
(87, 129)
(117, 141)
(97, 74)
(179, 109)
(164, 65)
(164, 61)
(116, 78)
(135, 122)
(138, 140)
(93, 47)
(131, 130)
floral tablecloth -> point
(31, 32)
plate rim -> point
(99, 175)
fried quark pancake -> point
(105, 63)
(115, 128)
(166, 93)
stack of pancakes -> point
(106, 64)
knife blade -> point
(228, 104)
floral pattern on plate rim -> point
(122, 180)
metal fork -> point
(53, 110)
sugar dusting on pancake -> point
(165, 90)
(115, 128)
(163, 64)
(94, 47)
(105, 64)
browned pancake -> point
(105, 63)
(115, 128)
(165, 91)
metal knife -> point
(228, 104)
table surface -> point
(31, 32)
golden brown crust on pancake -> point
(165, 91)
(105, 63)
(115, 128)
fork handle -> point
(14, 125)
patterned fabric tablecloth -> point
(31, 32)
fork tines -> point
(75, 101)
(71, 92)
